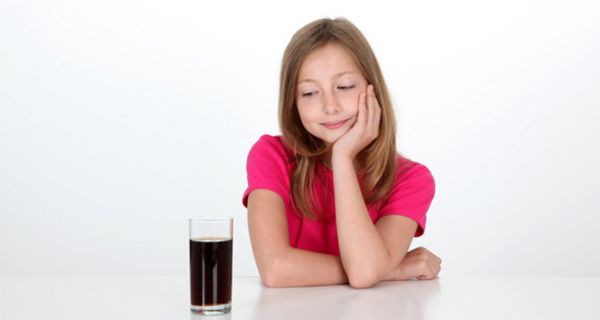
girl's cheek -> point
(307, 110)
(352, 101)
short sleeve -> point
(411, 196)
(267, 168)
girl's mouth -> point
(334, 125)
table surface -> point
(168, 298)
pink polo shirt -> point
(270, 164)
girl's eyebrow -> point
(337, 75)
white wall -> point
(121, 119)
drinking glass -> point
(211, 248)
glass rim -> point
(210, 219)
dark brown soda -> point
(210, 271)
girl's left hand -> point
(419, 263)
(364, 130)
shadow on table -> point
(391, 298)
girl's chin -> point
(332, 138)
(329, 136)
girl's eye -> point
(309, 94)
(346, 87)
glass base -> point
(212, 309)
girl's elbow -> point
(270, 276)
(363, 279)
(274, 279)
(361, 284)
(269, 281)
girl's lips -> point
(335, 125)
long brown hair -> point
(376, 163)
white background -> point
(121, 119)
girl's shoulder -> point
(271, 146)
(408, 169)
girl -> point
(330, 201)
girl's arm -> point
(282, 266)
(279, 264)
(368, 252)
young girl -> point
(330, 201)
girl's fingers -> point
(362, 110)
(374, 111)
(370, 108)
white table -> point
(168, 298)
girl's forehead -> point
(328, 61)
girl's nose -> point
(331, 105)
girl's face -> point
(329, 83)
